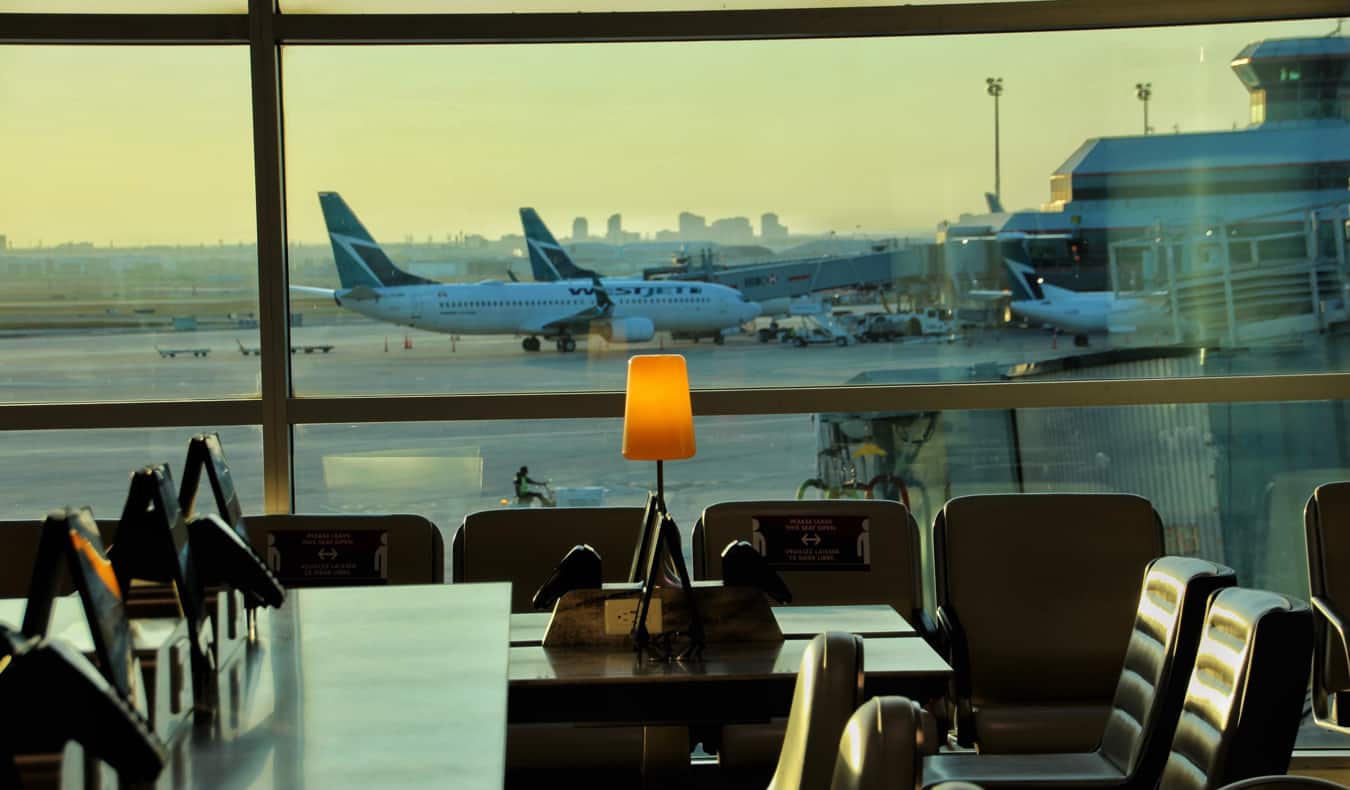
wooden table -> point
(796, 622)
(360, 687)
(745, 681)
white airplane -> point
(619, 311)
(1076, 312)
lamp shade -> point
(658, 420)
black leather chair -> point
(1034, 593)
(523, 545)
(1328, 534)
(882, 745)
(1245, 698)
(415, 550)
(1159, 657)
(894, 578)
(829, 688)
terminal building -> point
(1127, 213)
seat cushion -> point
(1088, 769)
(1022, 729)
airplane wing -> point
(580, 321)
(327, 293)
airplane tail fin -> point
(548, 260)
(1023, 282)
(359, 259)
(995, 205)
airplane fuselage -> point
(1083, 312)
(536, 308)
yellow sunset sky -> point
(136, 145)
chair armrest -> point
(1322, 608)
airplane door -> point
(416, 309)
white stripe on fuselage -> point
(525, 308)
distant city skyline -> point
(152, 145)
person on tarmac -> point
(523, 493)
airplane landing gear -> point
(719, 339)
(530, 344)
(566, 344)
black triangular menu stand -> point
(232, 579)
(71, 543)
(151, 545)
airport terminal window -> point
(127, 240)
(1229, 480)
(45, 470)
(567, 6)
(843, 236)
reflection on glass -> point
(127, 247)
(44, 470)
(861, 252)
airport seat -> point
(828, 690)
(523, 545)
(1328, 541)
(18, 551)
(1034, 593)
(894, 577)
(1159, 658)
(895, 574)
(415, 548)
(1245, 698)
(883, 745)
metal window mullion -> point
(788, 23)
(123, 28)
(145, 414)
(273, 298)
(794, 400)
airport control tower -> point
(1297, 80)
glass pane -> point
(128, 241)
(44, 470)
(1228, 480)
(125, 6)
(836, 186)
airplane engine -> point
(628, 330)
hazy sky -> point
(141, 144)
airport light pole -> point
(1144, 90)
(994, 87)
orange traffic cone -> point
(1054, 338)
(407, 342)
(386, 344)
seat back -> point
(882, 746)
(1245, 697)
(1159, 657)
(1329, 586)
(893, 574)
(384, 548)
(523, 545)
(829, 688)
(1034, 592)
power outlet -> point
(621, 613)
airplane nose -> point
(752, 310)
